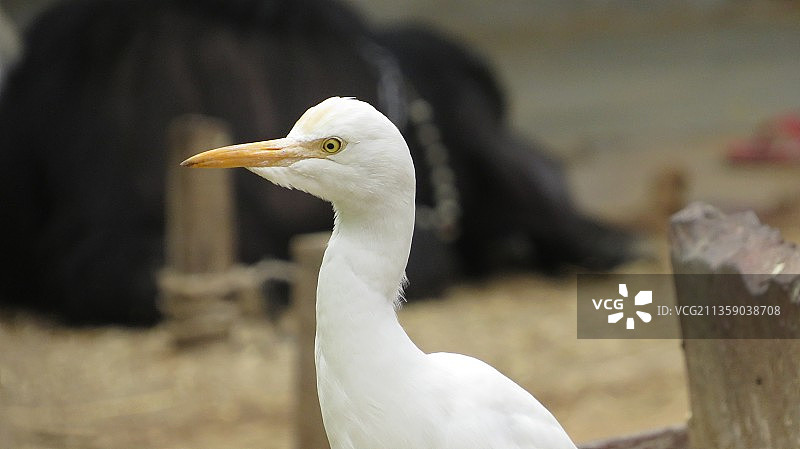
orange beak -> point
(269, 153)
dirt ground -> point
(102, 388)
(120, 388)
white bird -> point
(377, 390)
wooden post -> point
(745, 393)
(199, 240)
(307, 251)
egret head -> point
(342, 150)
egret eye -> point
(332, 145)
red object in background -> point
(777, 140)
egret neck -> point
(359, 287)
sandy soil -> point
(103, 388)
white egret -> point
(377, 390)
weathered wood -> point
(744, 393)
(307, 251)
(667, 438)
(199, 237)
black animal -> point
(82, 140)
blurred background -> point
(647, 104)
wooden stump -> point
(199, 242)
(307, 251)
(745, 393)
